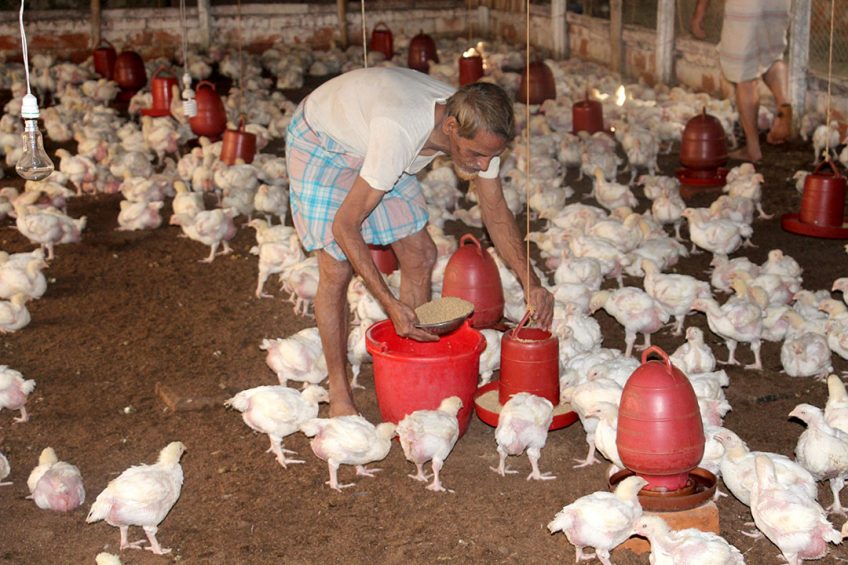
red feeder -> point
(822, 206)
(414, 375)
(422, 50)
(238, 144)
(587, 115)
(540, 85)
(529, 363)
(382, 41)
(211, 118)
(472, 274)
(384, 257)
(703, 151)
(470, 67)
(129, 73)
(160, 88)
(104, 59)
(660, 434)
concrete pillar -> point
(95, 23)
(665, 40)
(799, 58)
(616, 42)
(204, 21)
(483, 21)
(341, 8)
(559, 28)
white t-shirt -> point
(385, 115)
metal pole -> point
(665, 40)
(95, 23)
(799, 58)
(559, 26)
(204, 20)
(616, 43)
(341, 10)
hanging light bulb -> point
(189, 103)
(34, 163)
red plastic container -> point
(823, 201)
(472, 274)
(704, 143)
(529, 363)
(470, 69)
(382, 40)
(129, 71)
(211, 118)
(160, 88)
(587, 115)
(540, 84)
(660, 434)
(238, 144)
(414, 375)
(384, 257)
(104, 59)
(422, 49)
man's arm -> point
(698, 19)
(509, 242)
(357, 205)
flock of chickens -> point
(582, 244)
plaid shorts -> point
(321, 173)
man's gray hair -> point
(482, 106)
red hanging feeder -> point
(160, 88)
(238, 144)
(129, 73)
(587, 115)
(660, 434)
(422, 50)
(703, 152)
(472, 274)
(211, 118)
(104, 59)
(540, 85)
(529, 363)
(470, 67)
(384, 258)
(382, 40)
(822, 205)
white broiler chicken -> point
(139, 215)
(26, 279)
(694, 356)
(349, 440)
(822, 450)
(48, 228)
(523, 425)
(634, 309)
(14, 390)
(142, 496)
(736, 320)
(804, 353)
(357, 353)
(836, 409)
(825, 137)
(429, 435)
(674, 292)
(5, 469)
(737, 468)
(601, 520)
(490, 359)
(605, 434)
(186, 201)
(726, 270)
(836, 326)
(750, 188)
(278, 411)
(14, 314)
(685, 547)
(718, 236)
(582, 398)
(299, 357)
(54, 484)
(610, 194)
(794, 522)
(104, 558)
(271, 200)
(301, 280)
(209, 227)
(276, 258)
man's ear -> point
(449, 125)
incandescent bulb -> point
(189, 103)
(34, 163)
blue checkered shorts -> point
(321, 173)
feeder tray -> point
(710, 178)
(699, 490)
(156, 112)
(442, 328)
(488, 408)
(792, 223)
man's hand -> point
(404, 319)
(542, 303)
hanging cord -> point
(527, 146)
(364, 31)
(829, 81)
(241, 60)
(24, 48)
(184, 39)
(189, 103)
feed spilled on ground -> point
(443, 310)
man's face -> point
(470, 156)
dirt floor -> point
(126, 312)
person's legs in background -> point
(775, 79)
(748, 105)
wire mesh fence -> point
(820, 22)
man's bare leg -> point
(331, 315)
(416, 256)
(776, 79)
(748, 105)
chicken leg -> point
(502, 469)
(278, 450)
(334, 476)
(24, 417)
(363, 471)
(154, 543)
(533, 453)
(420, 475)
(125, 543)
(590, 457)
(836, 485)
(758, 364)
(436, 485)
(731, 353)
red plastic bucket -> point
(823, 200)
(470, 69)
(384, 258)
(414, 375)
(529, 363)
(104, 59)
